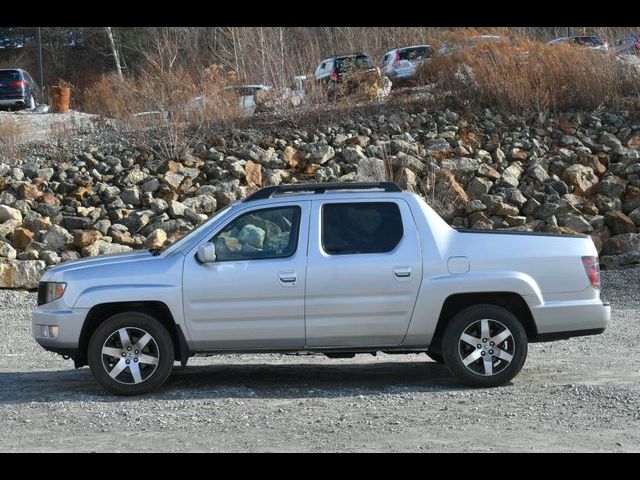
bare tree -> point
(114, 51)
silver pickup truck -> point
(338, 269)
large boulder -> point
(58, 238)
(101, 247)
(8, 213)
(619, 223)
(21, 273)
(580, 177)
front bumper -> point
(69, 322)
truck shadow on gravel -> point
(268, 381)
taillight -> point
(592, 268)
(18, 84)
(334, 76)
(637, 45)
(397, 59)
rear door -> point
(364, 272)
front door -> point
(364, 272)
(252, 296)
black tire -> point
(435, 356)
(160, 346)
(478, 373)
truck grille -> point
(42, 293)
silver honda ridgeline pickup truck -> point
(337, 269)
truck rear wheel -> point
(484, 346)
(131, 353)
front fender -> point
(435, 290)
(168, 294)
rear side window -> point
(588, 41)
(352, 228)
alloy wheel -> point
(130, 355)
(486, 347)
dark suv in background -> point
(17, 89)
(347, 67)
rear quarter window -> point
(359, 228)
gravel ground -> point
(581, 394)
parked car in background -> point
(593, 42)
(350, 269)
(250, 97)
(17, 89)
(348, 68)
(628, 45)
(403, 62)
(338, 67)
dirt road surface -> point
(581, 394)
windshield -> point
(177, 245)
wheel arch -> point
(157, 309)
(511, 301)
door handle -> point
(402, 272)
(288, 277)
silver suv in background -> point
(403, 62)
(628, 45)
(593, 42)
(339, 269)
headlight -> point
(50, 291)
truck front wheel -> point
(131, 353)
(484, 346)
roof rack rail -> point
(267, 192)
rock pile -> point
(577, 173)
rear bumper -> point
(552, 337)
(401, 73)
(6, 101)
(566, 319)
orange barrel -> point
(60, 99)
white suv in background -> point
(403, 62)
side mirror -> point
(207, 253)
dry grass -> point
(168, 110)
(523, 75)
(11, 134)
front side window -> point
(354, 228)
(259, 234)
